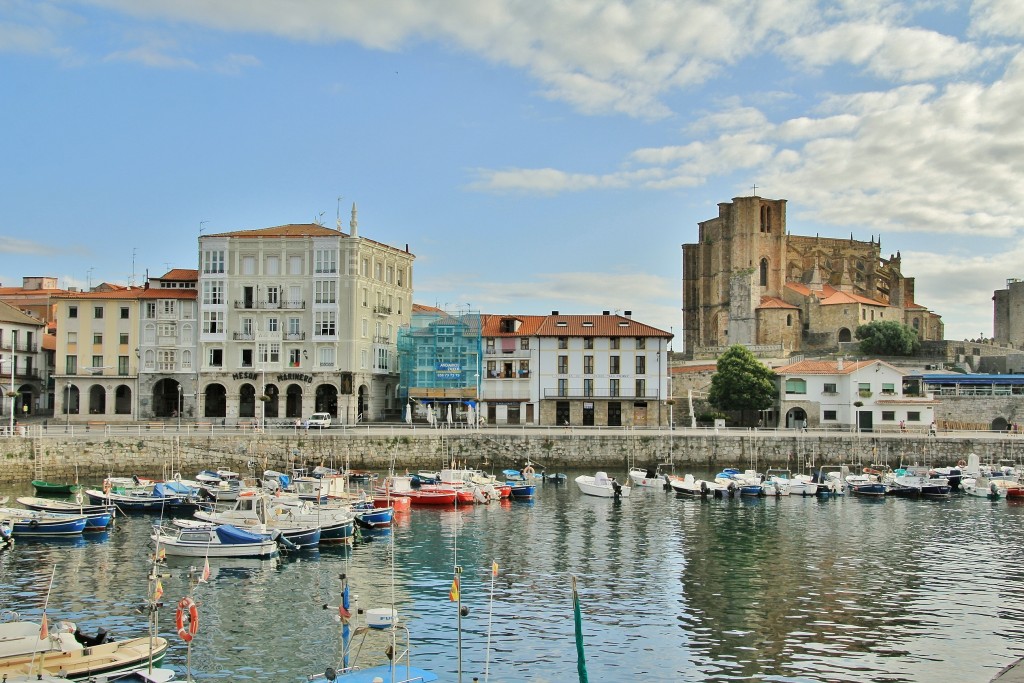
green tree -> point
(887, 338)
(741, 382)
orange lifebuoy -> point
(106, 486)
(186, 619)
(961, 463)
(527, 471)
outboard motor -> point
(616, 490)
(668, 483)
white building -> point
(22, 363)
(168, 338)
(589, 370)
(870, 395)
(298, 319)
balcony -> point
(518, 374)
(864, 393)
(602, 393)
(243, 336)
(294, 336)
(22, 347)
(378, 339)
(382, 310)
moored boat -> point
(38, 523)
(98, 517)
(222, 540)
(601, 486)
(54, 489)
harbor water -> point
(787, 589)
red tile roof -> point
(13, 314)
(827, 367)
(299, 230)
(169, 293)
(829, 295)
(50, 342)
(180, 275)
(125, 293)
(423, 308)
(772, 302)
(570, 326)
(685, 369)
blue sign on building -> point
(448, 371)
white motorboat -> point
(649, 478)
(689, 486)
(602, 486)
(251, 511)
(223, 540)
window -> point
(246, 358)
(166, 360)
(588, 387)
(269, 353)
(524, 368)
(123, 339)
(248, 265)
(830, 389)
(150, 310)
(382, 359)
(327, 356)
(366, 328)
(72, 337)
(272, 325)
(366, 298)
(796, 386)
(325, 291)
(524, 344)
(641, 343)
(293, 327)
(71, 365)
(913, 417)
(165, 329)
(829, 415)
(378, 271)
(97, 339)
(72, 311)
(789, 320)
(213, 292)
(216, 358)
(273, 265)
(492, 368)
(213, 322)
(614, 342)
(613, 387)
(563, 387)
(124, 313)
(325, 261)
(563, 365)
(295, 265)
(563, 342)
(588, 342)
(588, 365)
(294, 358)
(864, 388)
(186, 360)
(324, 324)
(888, 388)
(764, 273)
(401, 276)
(213, 261)
(364, 268)
(641, 388)
(97, 312)
(641, 365)
(888, 416)
(613, 365)
(363, 359)
(274, 295)
(97, 364)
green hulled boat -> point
(43, 487)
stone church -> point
(747, 281)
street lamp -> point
(67, 406)
(12, 394)
(179, 407)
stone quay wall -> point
(91, 458)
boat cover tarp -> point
(230, 535)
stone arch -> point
(363, 401)
(795, 418)
(271, 406)
(845, 335)
(72, 400)
(1000, 424)
(326, 400)
(122, 400)
(97, 400)
(165, 398)
(215, 401)
(293, 401)
(247, 400)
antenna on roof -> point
(201, 224)
(319, 220)
(131, 277)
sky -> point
(533, 155)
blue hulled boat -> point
(37, 523)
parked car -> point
(321, 420)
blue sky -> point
(534, 155)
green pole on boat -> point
(581, 660)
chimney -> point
(554, 312)
(840, 365)
(606, 312)
(628, 314)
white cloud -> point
(998, 18)
(552, 181)
(152, 55)
(897, 53)
(235, 64)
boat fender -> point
(106, 487)
(33, 523)
(330, 674)
(528, 470)
(186, 619)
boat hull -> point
(50, 488)
(590, 486)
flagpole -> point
(581, 660)
(44, 631)
(490, 610)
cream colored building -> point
(298, 319)
(97, 366)
(23, 368)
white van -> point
(322, 420)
